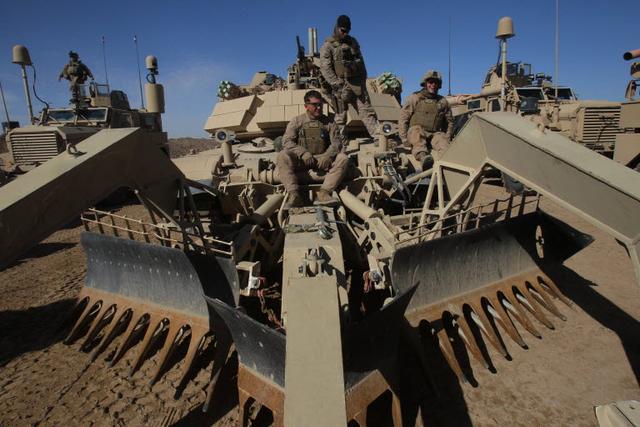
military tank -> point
(315, 300)
(263, 107)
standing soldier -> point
(76, 72)
(342, 66)
(426, 120)
(312, 141)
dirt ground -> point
(179, 147)
(592, 358)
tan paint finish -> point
(58, 190)
(603, 192)
(314, 378)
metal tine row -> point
(499, 306)
(100, 317)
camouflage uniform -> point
(426, 119)
(342, 66)
(76, 72)
(319, 137)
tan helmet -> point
(432, 75)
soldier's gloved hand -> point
(324, 162)
(309, 160)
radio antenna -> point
(6, 111)
(449, 77)
(557, 53)
(104, 60)
(135, 40)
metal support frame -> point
(601, 191)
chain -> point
(270, 292)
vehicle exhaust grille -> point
(600, 126)
(34, 147)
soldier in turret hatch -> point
(76, 72)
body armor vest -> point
(313, 137)
(348, 62)
(427, 115)
(73, 69)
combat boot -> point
(294, 200)
(324, 198)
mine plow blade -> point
(603, 192)
(475, 283)
(51, 195)
(369, 350)
(136, 291)
(261, 357)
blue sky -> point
(199, 43)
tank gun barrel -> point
(631, 54)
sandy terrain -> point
(592, 358)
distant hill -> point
(180, 147)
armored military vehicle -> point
(95, 108)
(627, 149)
(593, 123)
(264, 107)
(315, 299)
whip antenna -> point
(449, 78)
(135, 40)
(104, 61)
(555, 72)
(6, 111)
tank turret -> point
(263, 107)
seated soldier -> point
(426, 122)
(312, 141)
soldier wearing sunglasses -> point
(312, 141)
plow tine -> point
(501, 317)
(104, 316)
(175, 333)
(532, 307)
(83, 321)
(518, 313)
(449, 354)
(469, 340)
(224, 348)
(496, 274)
(197, 337)
(537, 292)
(480, 318)
(78, 309)
(111, 332)
(133, 330)
(140, 293)
(154, 330)
(549, 285)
